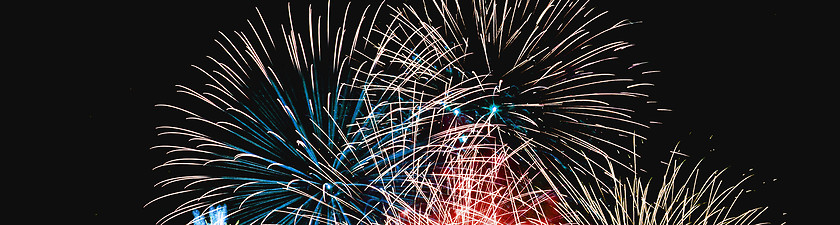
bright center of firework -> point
(493, 109)
(327, 186)
(456, 111)
(463, 139)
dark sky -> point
(738, 73)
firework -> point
(285, 132)
(679, 199)
(480, 183)
(542, 70)
(455, 113)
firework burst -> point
(484, 112)
(542, 70)
(480, 183)
(679, 199)
(285, 132)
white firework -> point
(544, 71)
(676, 199)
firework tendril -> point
(429, 112)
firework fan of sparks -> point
(454, 113)
(542, 70)
(284, 134)
(480, 183)
(474, 188)
(678, 199)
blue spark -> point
(199, 219)
(218, 215)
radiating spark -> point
(553, 55)
(678, 199)
(294, 146)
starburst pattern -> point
(541, 69)
(289, 141)
(678, 199)
(481, 184)
(438, 112)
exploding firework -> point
(285, 131)
(544, 71)
(481, 184)
(679, 199)
(355, 116)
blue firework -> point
(285, 130)
(217, 214)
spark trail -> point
(546, 72)
(284, 131)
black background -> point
(740, 73)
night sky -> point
(736, 73)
